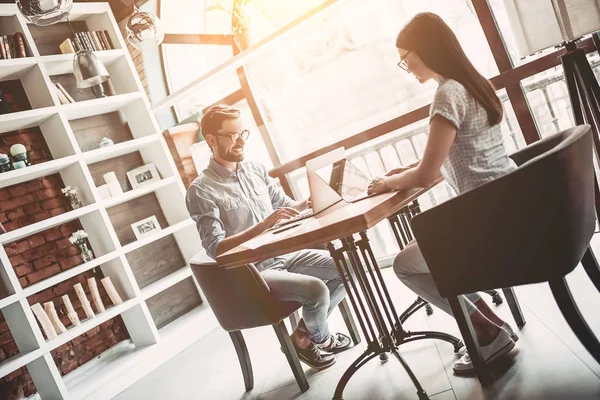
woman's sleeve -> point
(450, 102)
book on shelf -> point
(12, 46)
(61, 96)
(91, 40)
(62, 89)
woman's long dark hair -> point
(433, 41)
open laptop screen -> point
(345, 178)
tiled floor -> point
(547, 363)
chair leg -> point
(242, 352)
(570, 311)
(496, 298)
(349, 321)
(294, 320)
(590, 264)
(514, 306)
(291, 355)
(468, 334)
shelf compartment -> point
(27, 85)
(68, 274)
(45, 141)
(9, 25)
(159, 235)
(121, 126)
(88, 324)
(47, 39)
(174, 302)
(138, 152)
(32, 229)
(166, 282)
(121, 79)
(156, 261)
(12, 364)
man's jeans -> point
(311, 278)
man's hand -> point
(279, 215)
(378, 185)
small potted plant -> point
(72, 193)
(80, 239)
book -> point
(7, 47)
(62, 89)
(108, 41)
(61, 96)
(67, 47)
(87, 40)
(102, 41)
(89, 37)
(13, 47)
(77, 44)
(96, 40)
(2, 49)
(20, 45)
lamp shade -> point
(88, 69)
(144, 30)
(539, 24)
(45, 12)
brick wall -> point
(45, 254)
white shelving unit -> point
(149, 347)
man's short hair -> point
(213, 119)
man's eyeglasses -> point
(402, 63)
(245, 134)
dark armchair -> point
(241, 299)
(531, 225)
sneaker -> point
(338, 343)
(510, 331)
(314, 357)
(463, 350)
(499, 347)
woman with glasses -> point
(465, 145)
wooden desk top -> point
(332, 224)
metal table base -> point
(375, 311)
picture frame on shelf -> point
(143, 175)
(145, 227)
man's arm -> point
(278, 196)
(205, 212)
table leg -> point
(374, 309)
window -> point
(549, 99)
(195, 18)
(336, 75)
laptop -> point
(322, 196)
(332, 180)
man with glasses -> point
(234, 200)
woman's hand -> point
(378, 185)
(397, 171)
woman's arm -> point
(441, 136)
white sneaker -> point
(463, 350)
(501, 345)
(511, 332)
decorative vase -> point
(86, 254)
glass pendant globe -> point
(45, 12)
(144, 30)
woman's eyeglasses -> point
(245, 134)
(402, 63)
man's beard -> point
(230, 156)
